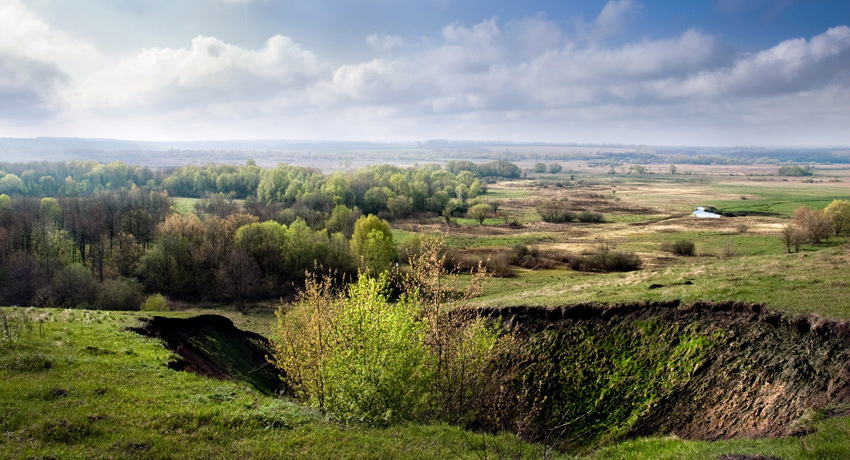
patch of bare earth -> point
(764, 375)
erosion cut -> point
(587, 375)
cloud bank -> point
(525, 79)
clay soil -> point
(765, 375)
(211, 345)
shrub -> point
(742, 228)
(588, 216)
(680, 247)
(479, 212)
(498, 265)
(794, 170)
(156, 302)
(606, 260)
(353, 353)
(554, 212)
(119, 295)
(413, 247)
(72, 287)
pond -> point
(701, 212)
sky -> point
(711, 72)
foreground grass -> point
(79, 385)
(88, 388)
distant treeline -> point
(83, 233)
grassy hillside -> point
(78, 384)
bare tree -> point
(816, 223)
(792, 236)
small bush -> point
(555, 213)
(727, 251)
(588, 216)
(499, 265)
(156, 302)
(741, 228)
(119, 295)
(605, 260)
(680, 247)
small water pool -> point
(701, 212)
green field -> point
(79, 384)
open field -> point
(79, 384)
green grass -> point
(506, 193)
(185, 205)
(708, 242)
(88, 388)
(808, 282)
(781, 200)
(499, 241)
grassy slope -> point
(797, 283)
(88, 388)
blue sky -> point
(723, 72)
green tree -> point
(839, 212)
(11, 183)
(372, 244)
(540, 167)
(479, 212)
(555, 168)
(342, 220)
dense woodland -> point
(104, 235)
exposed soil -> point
(764, 374)
(211, 345)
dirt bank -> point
(211, 345)
(747, 372)
(587, 375)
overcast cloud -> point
(523, 78)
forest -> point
(104, 235)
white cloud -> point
(526, 79)
(611, 20)
(210, 73)
(787, 68)
(385, 42)
(25, 34)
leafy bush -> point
(377, 370)
(156, 302)
(351, 352)
(606, 260)
(794, 170)
(554, 212)
(680, 247)
(119, 295)
(588, 216)
(498, 265)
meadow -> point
(79, 384)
